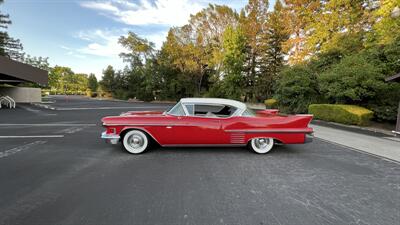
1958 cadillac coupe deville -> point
(207, 122)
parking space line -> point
(20, 148)
(33, 136)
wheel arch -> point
(276, 140)
(127, 129)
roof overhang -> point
(13, 72)
(394, 78)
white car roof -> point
(217, 101)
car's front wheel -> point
(261, 145)
(135, 141)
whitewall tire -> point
(261, 145)
(135, 141)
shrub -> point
(346, 114)
(296, 89)
(354, 79)
(45, 93)
(271, 103)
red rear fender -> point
(267, 112)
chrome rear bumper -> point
(110, 138)
(309, 138)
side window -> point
(249, 113)
(190, 109)
(177, 110)
(214, 110)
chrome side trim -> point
(269, 131)
(142, 129)
(150, 124)
(203, 145)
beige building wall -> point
(22, 94)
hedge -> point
(346, 114)
(271, 103)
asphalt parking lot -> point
(55, 169)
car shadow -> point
(277, 150)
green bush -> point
(354, 80)
(45, 93)
(296, 89)
(271, 103)
(346, 114)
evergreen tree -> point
(252, 19)
(92, 83)
(9, 47)
(275, 34)
(108, 80)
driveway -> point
(54, 169)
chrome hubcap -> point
(136, 141)
(261, 143)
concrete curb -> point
(376, 132)
(41, 105)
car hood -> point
(142, 117)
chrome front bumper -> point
(110, 138)
(309, 138)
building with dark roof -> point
(13, 73)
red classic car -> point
(207, 122)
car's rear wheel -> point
(261, 145)
(135, 141)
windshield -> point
(177, 110)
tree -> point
(299, 16)
(107, 82)
(234, 58)
(255, 15)
(92, 83)
(58, 78)
(353, 80)
(336, 21)
(140, 75)
(9, 47)
(140, 49)
(387, 23)
(296, 89)
(38, 62)
(205, 31)
(275, 34)
(188, 57)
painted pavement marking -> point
(20, 148)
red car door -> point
(192, 130)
